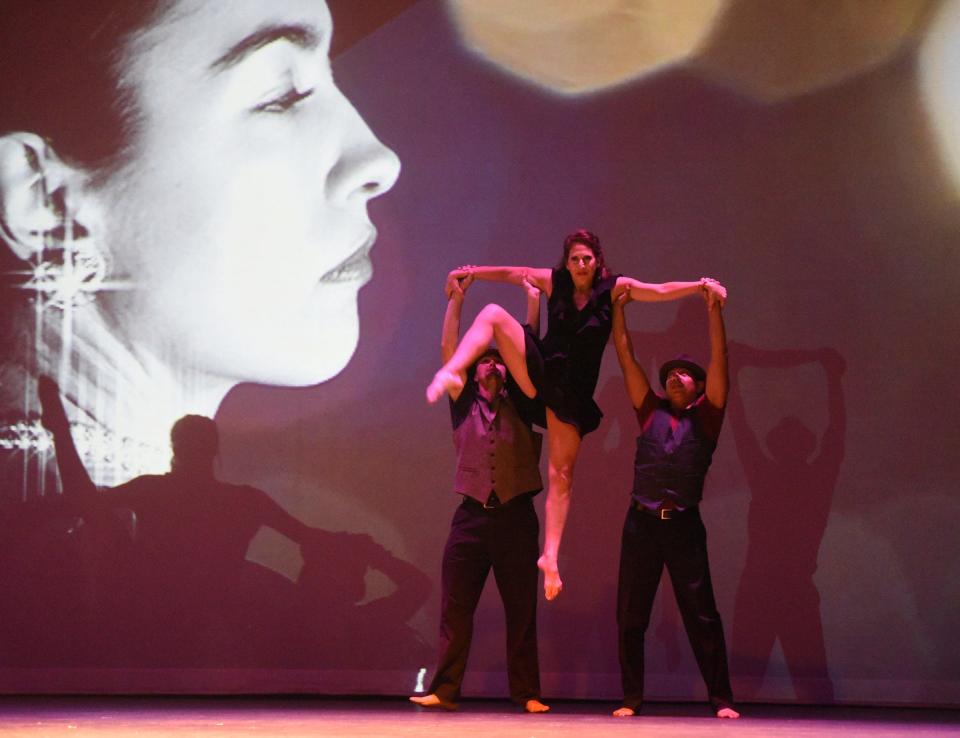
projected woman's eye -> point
(285, 102)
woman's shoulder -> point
(606, 284)
(561, 279)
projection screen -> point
(247, 211)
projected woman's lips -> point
(355, 268)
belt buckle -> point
(665, 513)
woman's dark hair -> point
(592, 242)
(60, 65)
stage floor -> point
(369, 717)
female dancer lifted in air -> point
(563, 367)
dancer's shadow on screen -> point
(791, 492)
(333, 619)
(160, 575)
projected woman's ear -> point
(224, 237)
(44, 221)
(27, 208)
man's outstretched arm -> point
(718, 374)
(634, 376)
(455, 289)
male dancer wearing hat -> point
(663, 527)
(495, 526)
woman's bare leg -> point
(493, 323)
(563, 442)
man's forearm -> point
(718, 334)
(718, 374)
(450, 334)
(621, 338)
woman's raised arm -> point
(539, 278)
(651, 292)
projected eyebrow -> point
(301, 36)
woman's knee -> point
(493, 314)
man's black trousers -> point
(648, 544)
(505, 539)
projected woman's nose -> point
(366, 168)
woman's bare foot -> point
(443, 381)
(535, 706)
(431, 700)
(624, 712)
(727, 712)
(552, 585)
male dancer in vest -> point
(496, 524)
(663, 526)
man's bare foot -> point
(535, 706)
(624, 712)
(431, 700)
(443, 381)
(552, 586)
(727, 712)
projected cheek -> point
(940, 84)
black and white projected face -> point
(228, 244)
(241, 217)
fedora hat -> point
(686, 362)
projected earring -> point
(69, 270)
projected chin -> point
(290, 342)
(301, 352)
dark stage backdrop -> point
(184, 194)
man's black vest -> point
(671, 463)
(502, 456)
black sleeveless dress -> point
(565, 364)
